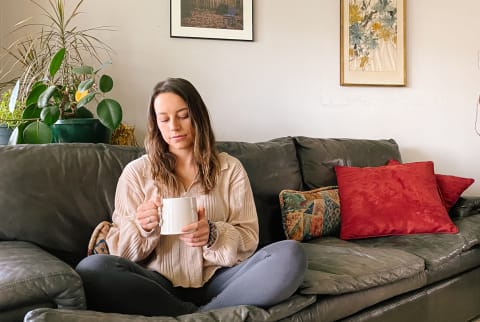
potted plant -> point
(56, 108)
(57, 84)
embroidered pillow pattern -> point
(310, 214)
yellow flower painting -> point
(372, 35)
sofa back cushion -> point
(271, 167)
(55, 194)
(318, 157)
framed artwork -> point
(218, 19)
(372, 42)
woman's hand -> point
(196, 234)
(147, 214)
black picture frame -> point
(229, 20)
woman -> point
(213, 265)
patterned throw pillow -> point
(97, 243)
(310, 214)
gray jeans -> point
(115, 284)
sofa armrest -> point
(30, 275)
(465, 206)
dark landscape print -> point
(217, 14)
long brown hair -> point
(204, 150)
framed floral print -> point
(372, 42)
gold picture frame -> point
(372, 43)
(221, 19)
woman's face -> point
(174, 122)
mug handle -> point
(160, 219)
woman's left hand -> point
(196, 234)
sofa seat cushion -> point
(231, 314)
(435, 249)
(336, 266)
(444, 255)
(30, 275)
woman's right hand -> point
(147, 214)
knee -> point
(289, 253)
(290, 263)
(92, 264)
(294, 253)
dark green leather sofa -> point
(52, 196)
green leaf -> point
(106, 83)
(37, 133)
(109, 62)
(46, 95)
(86, 99)
(86, 85)
(13, 97)
(50, 114)
(83, 113)
(56, 62)
(37, 89)
(109, 113)
(31, 112)
(17, 135)
(83, 70)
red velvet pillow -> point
(451, 187)
(391, 200)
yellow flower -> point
(363, 61)
(377, 26)
(79, 95)
(355, 14)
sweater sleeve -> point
(127, 238)
(238, 235)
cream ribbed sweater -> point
(229, 205)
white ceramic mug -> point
(177, 213)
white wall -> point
(286, 82)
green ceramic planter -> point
(88, 130)
(5, 133)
